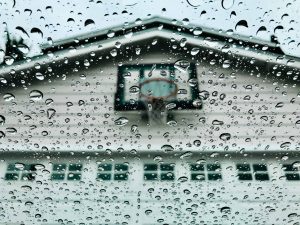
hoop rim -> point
(152, 98)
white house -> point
(151, 123)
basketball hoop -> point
(156, 93)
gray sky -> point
(61, 19)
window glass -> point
(158, 112)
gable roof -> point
(164, 24)
(160, 28)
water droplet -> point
(36, 30)
(23, 48)
(195, 51)
(134, 128)
(39, 76)
(292, 215)
(197, 103)
(2, 120)
(183, 42)
(285, 145)
(50, 113)
(81, 102)
(173, 105)
(11, 130)
(225, 136)
(148, 212)
(279, 105)
(194, 3)
(26, 188)
(3, 80)
(167, 148)
(185, 155)
(226, 210)
(85, 131)
(217, 122)
(2, 134)
(19, 165)
(183, 179)
(128, 34)
(226, 64)
(197, 31)
(134, 90)
(39, 166)
(138, 51)
(21, 29)
(49, 101)
(9, 60)
(227, 4)
(110, 33)
(204, 95)
(193, 82)
(197, 143)
(114, 52)
(262, 31)
(241, 25)
(296, 165)
(122, 121)
(36, 95)
(8, 97)
(182, 65)
(277, 29)
(89, 22)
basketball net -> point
(162, 91)
(157, 111)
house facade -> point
(79, 145)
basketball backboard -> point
(176, 84)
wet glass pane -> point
(245, 176)
(150, 167)
(75, 167)
(105, 167)
(150, 176)
(261, 176)
(197, 176)
(57, 176)
(289, 167)
(197, 167)
(74, 176)
(104, 176)
(213, 167)
(166, 167)
(292, 176)
(167, 176)
(214, 176)
(59, 167)
(121, 176)
(11, 176)
(178, 112)
(121, 167)
(243, 167)
(259, 167)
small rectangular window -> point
(247, 172)
(244, 172)
(26, 172)
(214, 172)
(260, 172)
(163, 172)
(71, 172)
(201, 172)
(106, 172)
